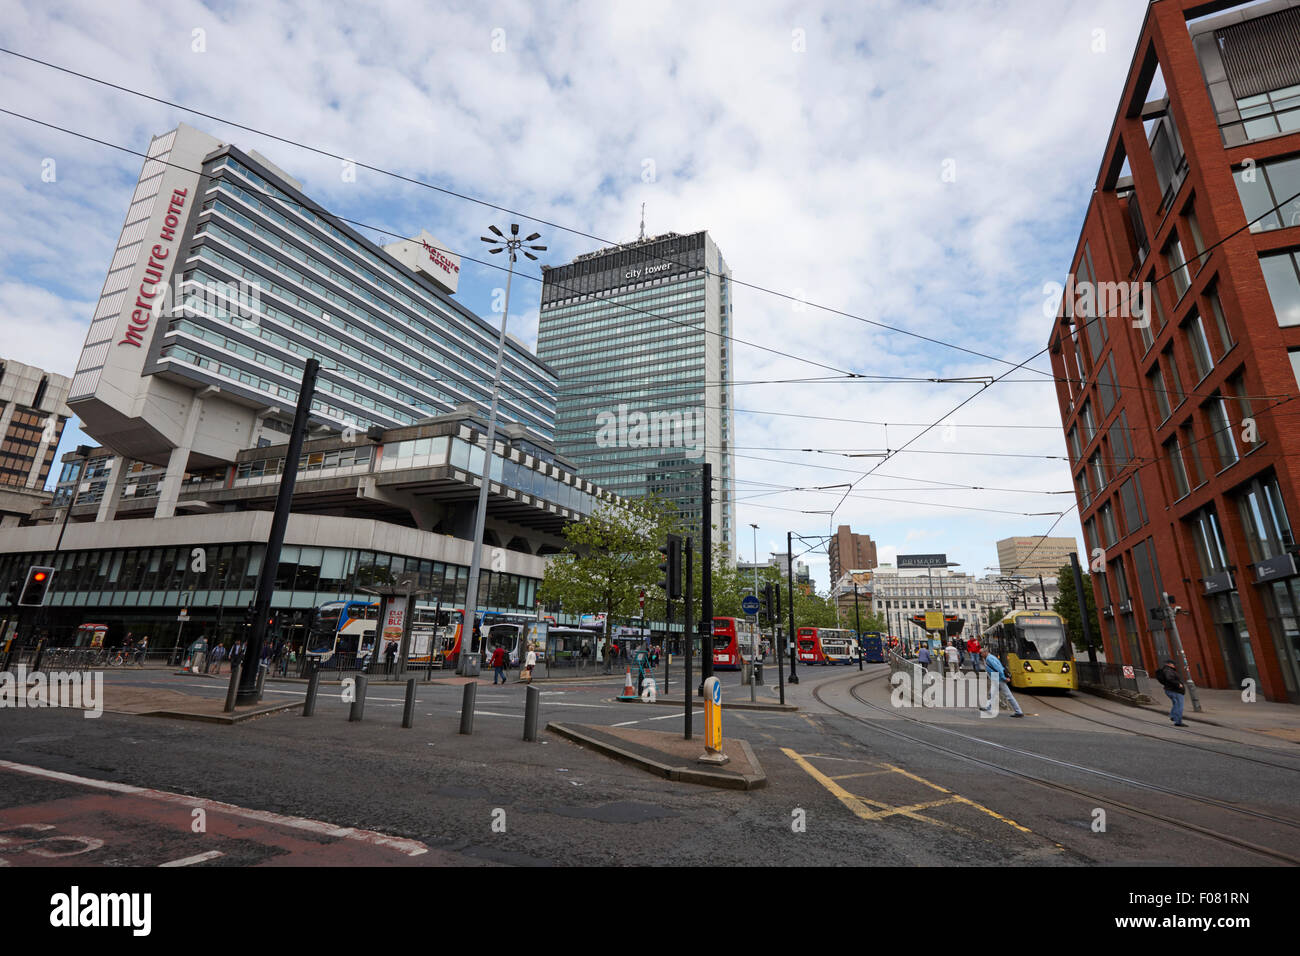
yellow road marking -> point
(916, 806)
(958, 798)
(859, 805)
(865, 773)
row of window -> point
(373, 269)
(469, 372)
(89, 576)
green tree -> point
(996, 614)
(612, 554)
(1067, 605)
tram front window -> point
(1043, 640)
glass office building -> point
(637, 336)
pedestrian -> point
(529, 663)
(973, 649)
(998, 684)
(1174, 690)
(390, 652)
(954, 662)
(141, 651)
(218, 655)
(923, 656)
(498, 665)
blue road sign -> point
(749, 604)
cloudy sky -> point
(924, 165)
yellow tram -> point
(1035, 649)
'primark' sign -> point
(922, 561)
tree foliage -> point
(1067, 605)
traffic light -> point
(768, 614)
(36, 586)
(11, 597)
(671, 567)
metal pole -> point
(467, 708)
(532, 705)
(857, 617)
(706, 580)
(1082, 600)
(1172, 614)
(279, 523)
(358, 708)
(467, 663)
(313, 685)
(755, 527)
(408, 709)
(236, 667)
(789, 577)
(688, 628)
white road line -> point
(197, 858)
(643, 720)
(409, 847)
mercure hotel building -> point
(225, 279)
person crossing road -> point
(998, 684)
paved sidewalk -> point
(1225, 708)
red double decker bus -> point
(734, 640)
(825, 645)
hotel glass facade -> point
(637, 335)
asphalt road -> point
(851, 781)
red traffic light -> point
(38, 576)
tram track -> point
(1170, 740)
(1097, 799)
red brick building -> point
(850, 552)
(1179, 389)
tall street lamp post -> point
(468, 662)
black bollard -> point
(231, 691)
(531, 707)
(359, 699)
(467, 708)
(408, 711)
(313, 685)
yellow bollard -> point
(713, 723)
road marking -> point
(197, 858)
(864, 773)
(860, 805)
(408, 847)
(958, 798)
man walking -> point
(954, 662)
(998, 684)
(1174, 690)
(973, 650)
(498, 665)
(923, 656)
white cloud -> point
(818, 171)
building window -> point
(1216, 411)
(1200, 345)
(1264, 519)
(1085, 420)
(1177, 262)
(1211, 551)
(1271, 113)
(1282, 276)
(1194, 453)
(1174, 455)
(1269, 185)
(1175, 380)
(1220, 322)
(1107, 517)
(1106, 386)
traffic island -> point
(157, 702)
(670, 756)
(772, 706)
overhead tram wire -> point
(1160, 278)
(490, 205)
(843, 376)
(846, 374)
